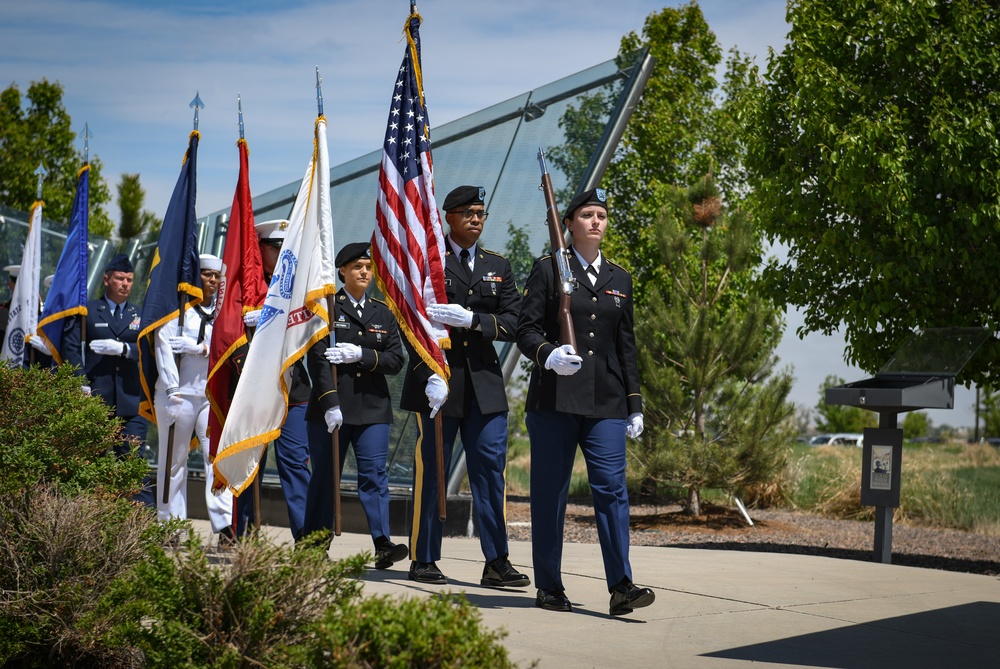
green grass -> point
(951, 485)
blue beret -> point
(120, 263)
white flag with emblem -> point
(294, 317)
(22, 319)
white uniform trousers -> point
(174, 471)
(220, 507)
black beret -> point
(597, 196)
(464, 195)
(352, 252)
(120, 263)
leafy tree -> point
(916, 424)
(519, 253)
(989, 412)
(716, 411)
(677, 133)
(873, 156)
(42, 133)
(134, 219)
(841, 418)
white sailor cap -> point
(12, 270)
(208, 261)
(271, 230)
(48, 280)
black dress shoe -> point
(626, 596)
(426, 572)
(501, 573)
(389, 554)
(553, 600)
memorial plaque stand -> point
(921, 375)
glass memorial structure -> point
(496, 148)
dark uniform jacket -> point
(492, 296)
(114, 378)
(362, 391)
(607, 384)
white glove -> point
(85, 390)
(39, 345)
(174, 404)
(343, 353)
(437, 392)
(563, 361)
(107, 347)
(334, 419)
(185, 346)
(633, 426)
(450, 314)
(251, 318)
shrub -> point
(60, 556)
(258, 608)
(443, 631)
(51, 433)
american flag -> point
(408, 242)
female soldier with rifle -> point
(586, 395)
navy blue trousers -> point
(371, 450)
(136, 426)
(291, 449)
(484, 437)
(554, 437)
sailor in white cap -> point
(182, 362)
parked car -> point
(820, 440)
(847, 439)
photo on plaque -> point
(881, 467)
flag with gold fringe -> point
(22, 319)
(67, 295)
(408, 243)
(294, 317)
(174, 275)
(242, 289)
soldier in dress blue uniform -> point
(367, 349)
(588, 398)
(483, 305)
(112, 362)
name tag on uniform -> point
(342, 325)
(102, 325)
(447, 281)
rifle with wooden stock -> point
(560, 257)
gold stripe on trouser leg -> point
(418, 485)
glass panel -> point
(495, 148)
(936, 352)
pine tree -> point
(717, 414)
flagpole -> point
(330, 305)
(438, 421)
(197, 104)
(255, 486)
(41, 172)
(86, 161)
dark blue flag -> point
(68, 294)
(175, 275)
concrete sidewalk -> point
(717, 608)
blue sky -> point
(129, 69)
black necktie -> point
(464, 256)
(592, 273)
(118, 312)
